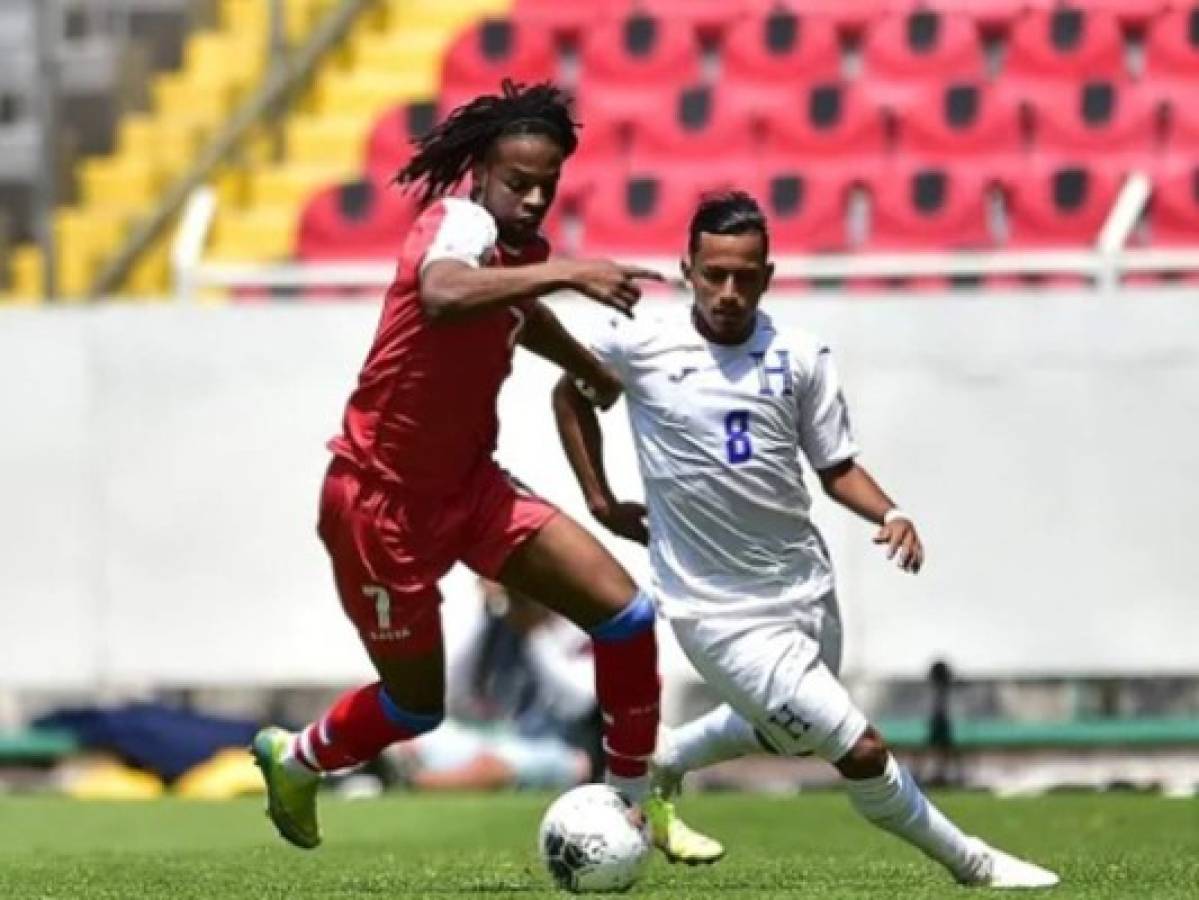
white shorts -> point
(780, 674)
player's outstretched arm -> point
(582, 439)
(855, 488)
(451, 289)
(544, 335)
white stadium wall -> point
(159, 470)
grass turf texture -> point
(1118, 846)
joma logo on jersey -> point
(767, 372)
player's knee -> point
(412, 718)
(867, 758)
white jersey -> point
(718, 431)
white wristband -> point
(895, 513)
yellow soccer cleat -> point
(677, 841)
(290, 797)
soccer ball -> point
(592, 839)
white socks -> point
(718, 736)
(894, 802)
(635, 788)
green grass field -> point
(1121, 846)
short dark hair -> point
(728, 212)
(447, 152)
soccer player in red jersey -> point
(413, 488)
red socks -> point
(356, 729)
(627, 686)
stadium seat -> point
(389, 145)
(643, 214)
(1107, 122)
(600, 156)
(316, 139)
(1060, 205)
(290, 185)
(565, 20)
(1174, 207)
(628, 64)
(903, 53)
(701, 125)
(1172, 52)
(263, 234)
(963, 120)
(805, 206)
(851, 18)
(416, 48)
(357, 220)
(928, 208)
(494, 49)
(367, 92)
(1066, 45)
(831, 124)
(771, 54)
(711, 19)
(994, 18)
(117, 183)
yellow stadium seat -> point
(419, 49)
(169, 143)
(230, 186)
(150, 276)
(25, 274)
(89, 232)
(175, 94)
(215, 58)
(422, 14)
(261, 235)
(118, 183)
(368, 93)
(291, 185)
(331, 140)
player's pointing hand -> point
(610, 283)
(903, 544)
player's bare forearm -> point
(855, 489)
(452, 290)
(544, 335)
(582, 439)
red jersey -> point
(424, 412)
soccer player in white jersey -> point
(721, 404)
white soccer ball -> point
(592, 839)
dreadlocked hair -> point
(446, 153)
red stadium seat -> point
(773, 53)
(958, 121)
(701, 126)
(599, 157)
(709, 18)
(829, 124)
(627, 65)
(1060, 205)
(851, 18)
(1174, 206)
(494, 49)
(1066, 45)
(1172, 52)
(390, 143)
(928, 208)
(1107, 122)
(566, 20)
(805, 207)
(360, 220)
(904, 53)
(640, 215)
(993, 17)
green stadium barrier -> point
(1009, 734)
(36, 745)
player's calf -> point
(627, 687)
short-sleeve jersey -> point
(424, 411)
(718, 431)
